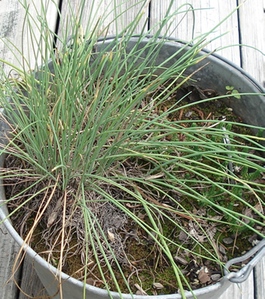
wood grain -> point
(102, 17)
(203, 16)
(244, 290)
(16, 44)
(259, 274)
(8, 251)
(31, 286)
(14, 40)
(252, 26)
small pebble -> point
(180, 260)
(183, 236)
(215, 277)
(157, 285)
(222, 249)
(188, 114)
(228, 240)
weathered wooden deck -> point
(247, 26)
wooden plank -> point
(259, 274)
(252, 25)
(252, 31)
(244, 290)
(31, 286)
(13, 38)
(208, 14)
(100, 14)
(8, 251)
(16, 46)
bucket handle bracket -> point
(238, 277)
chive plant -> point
(89, 140)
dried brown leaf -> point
(259, 207)
(248, 213)
(111, 236)
(51, 219)
(203, 275)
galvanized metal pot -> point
(217, 74)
